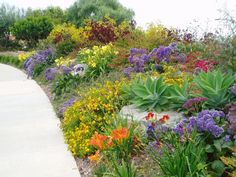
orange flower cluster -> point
(95, 157)
(120, 134)
(97, 140)
(103, 142)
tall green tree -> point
(8, 16)
(56, 14)
(97, 9)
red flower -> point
(164, 119)
(202, 64)
(149, 116)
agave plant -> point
(151, 95)
(215, 85)
(179, 95)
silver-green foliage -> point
(151, 95)
(179, 94)
(214, 85)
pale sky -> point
(176, 13)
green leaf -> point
(209, 149)
(218, 166)
(217, 144)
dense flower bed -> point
(159, 70)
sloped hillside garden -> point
(158, 102)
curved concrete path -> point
(31, 142)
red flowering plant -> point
(156, 123)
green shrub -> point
(214, 85)
(32, 29)
(65, 47)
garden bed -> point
(182, 93)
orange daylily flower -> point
(119, 134)
(149, 116)
(97, 140)
(164, 119)
(94, 157)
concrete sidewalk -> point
(31, 142)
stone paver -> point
(31, 141)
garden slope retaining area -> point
(31, 142)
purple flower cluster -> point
(180, 57)
(190, 103)
(51, 73)
(38, 58)
(233, 89)
(231, 116)
(204, 122)
(139, 57)
(67, 104)
(163, 53)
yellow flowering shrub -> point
(67, 31)
(24, 55)
(96, 109)
(157, 35)
(63, 61)
(97, 58)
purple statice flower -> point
(234, 137)
(137, 58)
(226, 138)
(65, 69)
(233, 89)
(231, 116)
(150, 128)
(179, 128)
(206, 122)
(163, 53)
(67, 104)
(192, 124)
(153, 52)
(135, 51)
(181, 57)
(51, 73)
(38, 58)
(127, 71)
(216, 130)
(193, 101)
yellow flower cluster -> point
(98, 56)
(64, 61)
(172, 75)
(96, 109)
(24, 55)
(68, 31)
